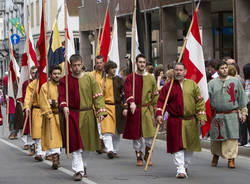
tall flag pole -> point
(194, 60)
(133, 51)
(66, 76)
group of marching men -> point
(101, 106)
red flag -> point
(194, 60)
(42, 49)
(105, 40)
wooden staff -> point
(158, 126)
(66, 78)
(134, 45)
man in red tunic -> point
(84, 94)
(140, 122)
(186, 109)
(12, 108)
(26, 138)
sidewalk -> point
(243, 151)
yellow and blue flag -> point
(55, 52)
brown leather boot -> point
(32, 150)
(139, 158)
(55, 161)
(147, 149)
(215, 161)
(231, 163)
(103, 149)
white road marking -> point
(62, 169)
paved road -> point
(16, 167)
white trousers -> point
(138, 144)
(111, 141)
(27, 140)
(99, 130)
(182, 160)
(39, 151)
(53, 151)
(79, 161)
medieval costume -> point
(51, 133)
(227, 97)
(26, 138)
(32, 101)
(83, 132)
(185, 106)
(113, 125)
(140, 124)
(98, 76)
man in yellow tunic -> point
(32, 105)
(113, 125)
(51, 133)
(98, 74)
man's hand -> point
(100, 118)
(125, 112)
(7, 98)
(202, 122)
(66, 111)
(27, 112)
(243, 118)
(132, 107)
(159, 119)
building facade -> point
(21, 9)
(223, 26)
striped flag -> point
(27, 62)
(13, 73)
(55, 53)
(114, 50)
(194, 60)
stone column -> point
(122, 40)
(242, 18)
(85, 49)
(205, 20)
(169, 36)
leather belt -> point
(227, 112)
(35, 106)
(83, 109)
(109, 103)
(143, 105)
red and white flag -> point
(194, 60)
(27, 62)
(13, 74)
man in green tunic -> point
(84, 94)
(186, 109)
(140, 114)
(227, 97)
